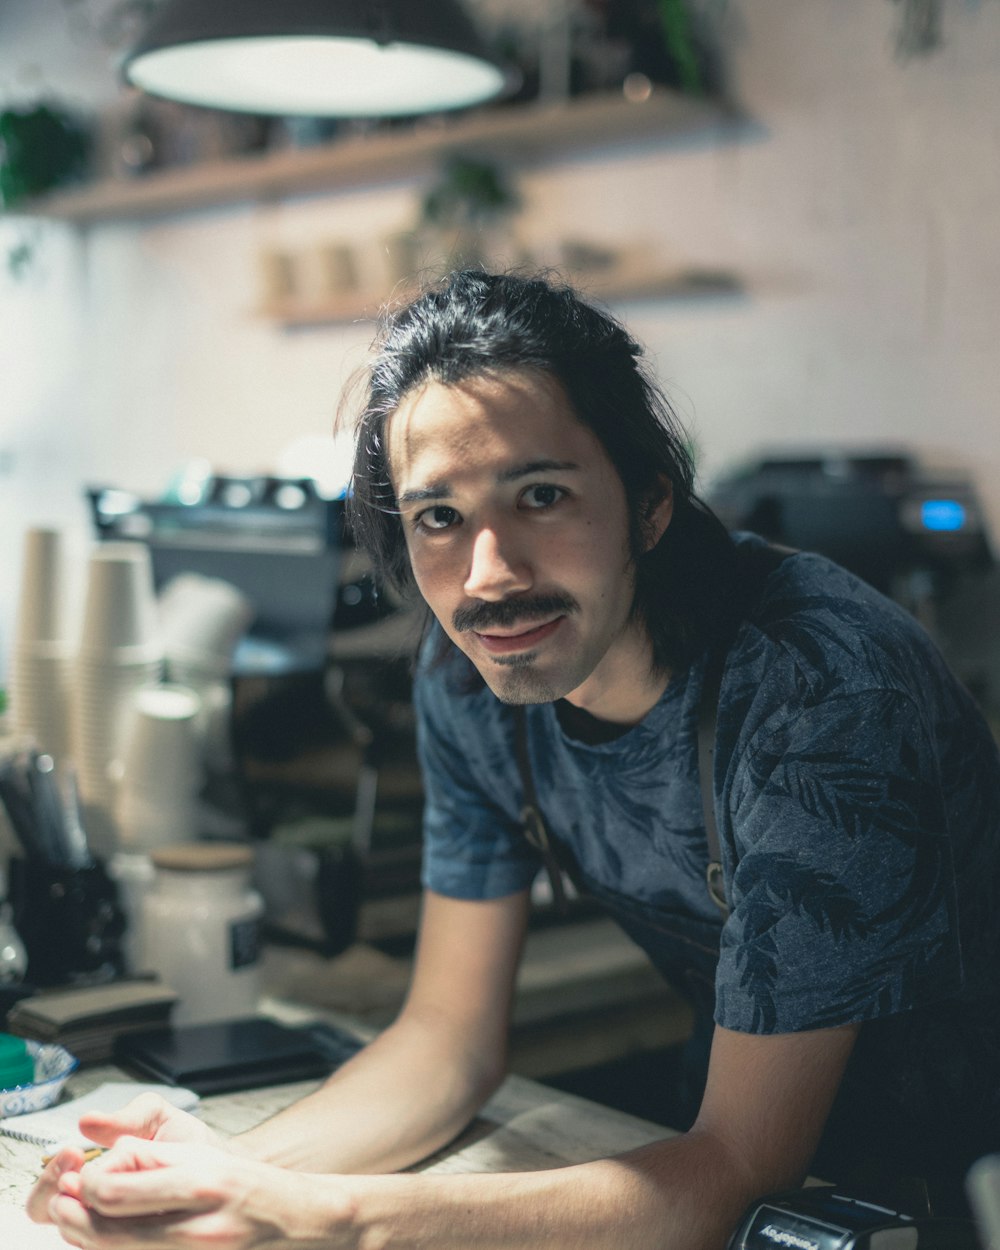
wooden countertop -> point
(524, 1127)
(585, 994)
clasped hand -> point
(165, 1180)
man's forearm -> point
(397, 1101)
(682, 1194)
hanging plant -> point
(668, 41)
(461, 210)
(40, 148)
(919, 28)
(678, 38)
(469, 193)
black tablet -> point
(235, 1054)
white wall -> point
(861, 210)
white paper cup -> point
(100, 705)
(119, 612)
(39, 694)
(40, 605)
(201, 620)
(160, 752)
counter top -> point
(585, 994)
(524, 1127)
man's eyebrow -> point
(439, 491)
(442, 490)
(535, 466)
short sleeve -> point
(843, 894)
(473, 845)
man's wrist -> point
(319, 1211)
(239, 1145)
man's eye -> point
(542, 496)
(439, 517)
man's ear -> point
(657, 511)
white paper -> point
(57, 1126)
(16, 1230)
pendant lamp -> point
(317, 58)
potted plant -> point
(463, 211)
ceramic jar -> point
(201, 930)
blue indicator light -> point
(942, 514)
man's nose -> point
(496, 569)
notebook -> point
(57, 1126)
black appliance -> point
(820, 1217)
(323, 773)
(275, 539)
(881, 513)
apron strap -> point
(758, 565)
(532, 821)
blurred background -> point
(838, 190)
(792, 203)
(833, 192)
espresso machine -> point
(320, 770)
(915, 532)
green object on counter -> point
(17, 1067)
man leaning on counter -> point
(518, 465)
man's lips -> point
(506, 644)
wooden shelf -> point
(525, 134)
(614, 286)
(619, 285)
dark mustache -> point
(507, 612)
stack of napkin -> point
(88, 1021)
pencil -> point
(89, 1154)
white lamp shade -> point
(340, 58)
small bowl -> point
(53, 1068)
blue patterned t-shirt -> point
(858, 803)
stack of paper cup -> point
(160, 772)
(41, 653)
(120, 652)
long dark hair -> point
(472, 323)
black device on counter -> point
(821, 1217)
(236, 1054)
(879, 513)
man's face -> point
(517, 530)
